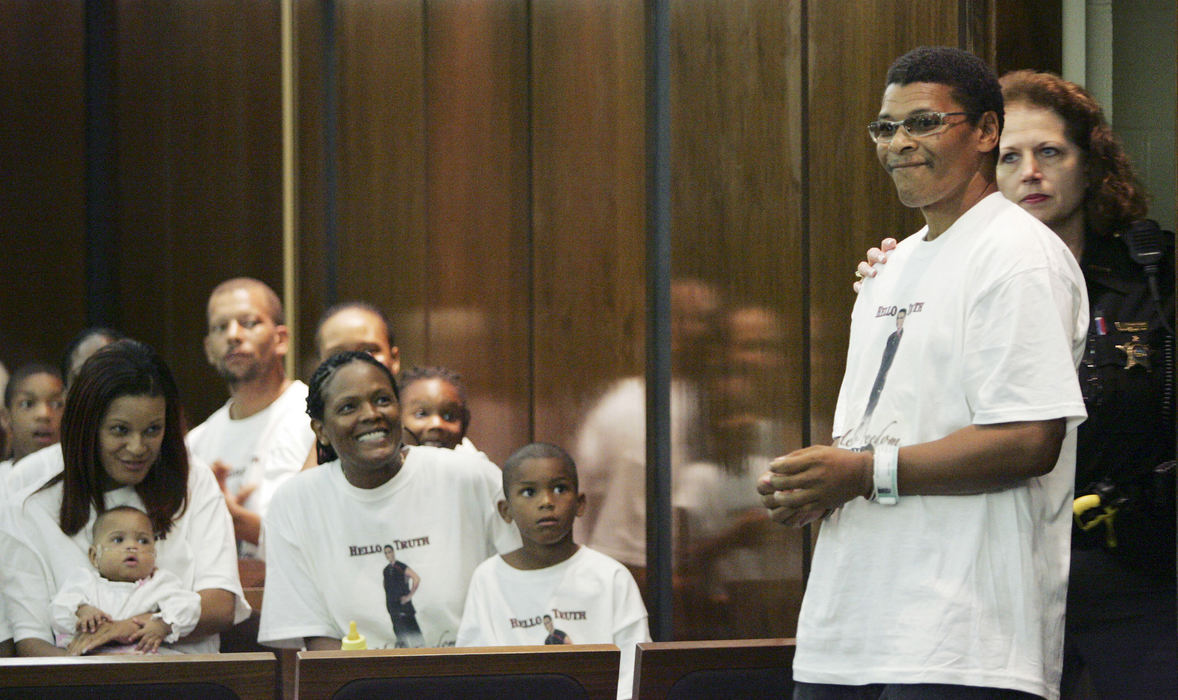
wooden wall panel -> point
(310, 196)
(853, 203)
(588, 212)
(738, 229)
(382, 164)
(491, 200)
(1027, 34)
(42, 188)
(199, 186)
(477, 228)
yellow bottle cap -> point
(354, 640)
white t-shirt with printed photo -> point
(589, 599)
(264, 449)
(966, 589)
(325, 544)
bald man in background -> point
(357, 325)
(262, 434)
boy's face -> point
(36, 409)
(124, 547)
(542, 500)
(433, 414)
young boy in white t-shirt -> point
(124, 586)
(551, 590)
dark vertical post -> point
(807, 337)
(531, 234)
(330, 155)
(658, 317)
(102, 283)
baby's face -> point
(124, 547)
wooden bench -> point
(243, 637)
(737, 668)
(180, 677)
(498, 673)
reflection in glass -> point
(737, 574)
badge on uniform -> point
(1136, 353)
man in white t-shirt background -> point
(262, 435)
(941, 569)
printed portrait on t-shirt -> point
(400, 584)
(555, 636)
(859, 438)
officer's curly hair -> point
(1113, 197)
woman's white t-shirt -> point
(325, 542)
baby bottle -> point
(354, 640)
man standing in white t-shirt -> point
(262, 435)
(941, 568)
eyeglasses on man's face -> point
(916, 125)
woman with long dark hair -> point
(122, 444)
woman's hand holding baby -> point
(119, 631)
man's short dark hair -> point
(22, 373)
(973, 83)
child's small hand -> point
(90, 618)
(151, 635)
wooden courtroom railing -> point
(181, 677)
(744, 668)
(585, 671)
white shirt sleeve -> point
(631, 618)
(293, 607)
(284, 454)
(77, 589)
(178, 607)
(24, 582)
(476, 629)
(210, 531)
(5, 628)
(1017, 356)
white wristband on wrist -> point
(884, 468)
